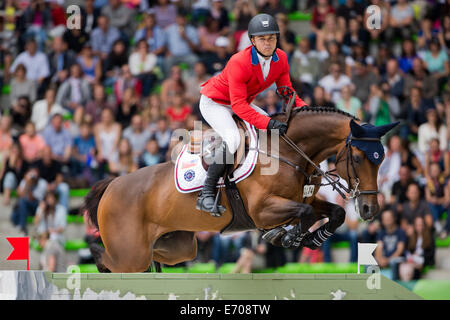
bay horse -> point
(142, 218)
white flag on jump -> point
(365, 256)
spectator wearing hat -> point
(103, 37)
(182, 42)
(45, 108)
(420, 77)
(217, 60)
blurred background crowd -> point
(79, 105)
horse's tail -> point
(93, 199)
(91, 205)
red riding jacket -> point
(242, 79)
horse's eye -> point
(357, 159)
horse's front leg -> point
(286, 221)
(336, 215)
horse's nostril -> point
(365, 208)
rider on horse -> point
(246, 74)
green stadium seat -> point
(6, 89)
(173, 270)
(88, 268)
(340, 245)
(443, 243)
(202, 268)
(75, 245)
(226, 268)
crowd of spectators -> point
(85, 103)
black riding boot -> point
(207, 196)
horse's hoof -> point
(308, 242)
(274, 236)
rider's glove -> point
(276, 124)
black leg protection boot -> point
(206, 200)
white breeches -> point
(220, 118)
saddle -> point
(201, 145)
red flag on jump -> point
(20, 249)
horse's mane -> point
(319, 110)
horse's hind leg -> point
(175, 247)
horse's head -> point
(358, 162)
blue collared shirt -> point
(177, 45)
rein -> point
(286, 93)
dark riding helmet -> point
(262, 24)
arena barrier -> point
(65, 286)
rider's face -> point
(266, 44)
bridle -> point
(333, 179)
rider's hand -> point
(276, 124)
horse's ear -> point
(382, 130)
(356, 129)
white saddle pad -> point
(190, 175)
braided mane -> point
(319, 110)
